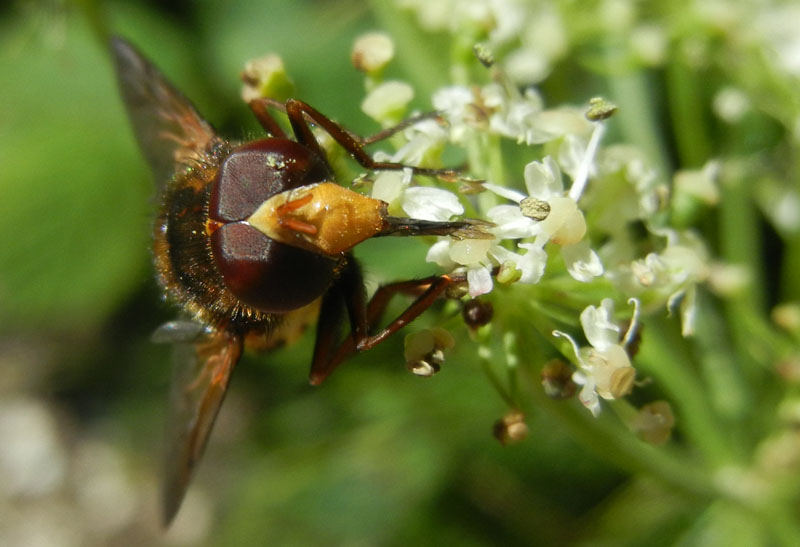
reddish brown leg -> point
(433, 287)
(331, 314)
(428, 290)
(389, 131)
(298, 111)
(346, 294)
(363, 141)
(260, 108)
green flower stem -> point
(512, 363)
(740, 244)
(722, 365)
(663, 354)
(635, 116)
(485, 358)
(497, 170)
(688, 116)
(790, 281)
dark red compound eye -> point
(263, 273)
(258, 170)
(268, 275)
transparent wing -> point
(169, 130)
(201, 376)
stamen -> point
(634, 322)
(534, 208)
(575, 348)
(582, 177)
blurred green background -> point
(374, 456)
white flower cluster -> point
(534, 33)
(558, 209)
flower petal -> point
(439, 253)
(543, 179)
(597, 326)
(480, 281)
(588, 397)
(582, 262)
(502, 191)
(532, 263)
(510, 222)
(389, 185)
(688, 311)
(470, 252)
(428, 203)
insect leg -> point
(346, 294)
(393, 130)
(427, 291)
(297, 112)
(260, 108)
(384, 134)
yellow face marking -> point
(324, 218)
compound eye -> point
(258, 170)
(268, 275)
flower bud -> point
(477, 313)
(654, 422)
(511, 428)
(424, 350)
(387, 103)
(266, 77)
(557, 380)
(372, 52)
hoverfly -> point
(252, 235)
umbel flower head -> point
(539, 215)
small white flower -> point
(564, 224)
(672, 274)
(455, 104)
(777, 27)
(439, 254)
(422, 202)
(605, 368)
(473, 254)
(531, 265)
(266, 77)
(543, 179)
(649, 43)
(479, 256)
(527, 65)
(637, 189)
(731, 104)
(582, 262)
